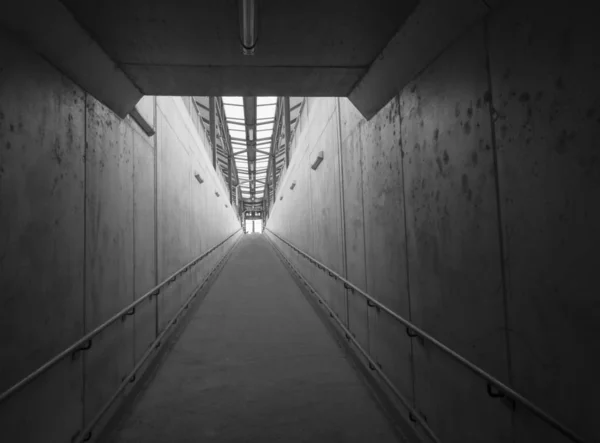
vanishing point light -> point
(248, 25)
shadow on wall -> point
(94, 212)
(468, 205)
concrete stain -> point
(487, 97)
(467, 128)
(439, 164)
(563, 141)
(470, 112)
(503, 130)
(446, 157)
(8, 146)
(524, 97)
(474, 158)
(465, 187)
(56, 152)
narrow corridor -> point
(255, 363)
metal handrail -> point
(85, 342)
(413, 329)
(87, 432)
(372, 364)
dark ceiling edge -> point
(413, 48)
(55, 34)
(95, 39)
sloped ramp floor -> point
(255, 364)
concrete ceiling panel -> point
(206, 33)
(432, 26)
(50, 29)
(244, 81)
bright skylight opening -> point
(234, 112)
(265, 112)
(233, 100)
(266, 101)
(262, 135)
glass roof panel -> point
(266, 100)
(233, 100)
(265, 116)
(265, 112)
(264, 134)
(234, 133)
(234, 111)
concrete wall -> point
(93, 213)
(469, 205)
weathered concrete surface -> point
(431, 27)
(143, 243)
(352, 162)
(325, 207)
(385, 244)
(53, 32)
(109, 251)
(41, 247)
(255, 364)
(456, 285)
(77, 240)
(500, 178)
(546, 101)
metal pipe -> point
(90, 335)
(248, 25)
(474, 368)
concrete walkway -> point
(255, 364)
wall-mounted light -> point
(281, 198)
(251, 134)
(217, 194)
(226, 206)
(197, 175)
(248, 25)
(293, 184)
(318, 160)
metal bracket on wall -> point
(76, 436)
(83, 348)
(411, 333)
(198, 177)
(293, 184)
(494, 392)
(318, 160)
(370, 304)
(128, 314)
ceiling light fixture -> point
(248, 25)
